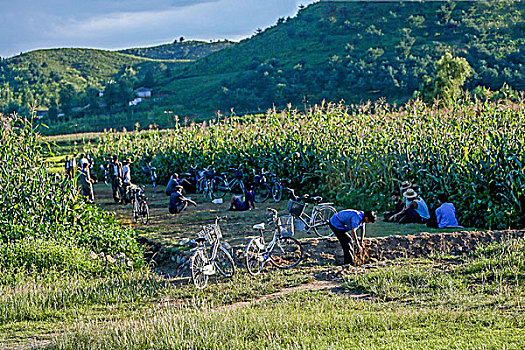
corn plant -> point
(358, 154)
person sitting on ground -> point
(178, 202)
(351, 220)
(446, 213)
(415, 211)
(399, 205)
(236, 204)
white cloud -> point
(113, 24)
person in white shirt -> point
(126, 180)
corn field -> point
(35, 207)
(357, 155)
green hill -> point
(185, 50)
(351, 51)
(38, 77)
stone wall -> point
(381, 248)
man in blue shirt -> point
(446, 213)
(350, 220)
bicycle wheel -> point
(198, 261)
(224, 263)
(253, 256)
(277, 191)
(262, 192)
(286, 253)
(219, 187)
(321, 219)
(144, 213)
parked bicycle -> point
(204, 264)
(319, 217)
(209, 184)
(139, 204)
(267, 184)
(283, 251)
(235, 185)
(151, 173)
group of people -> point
(411, 208)
(119, 174)
(178, 202)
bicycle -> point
(222, 185)
(283, 251)
(139, 205)
(151, 173)
(266, 184)
(319, 217)
(219, 260)
(209, 183)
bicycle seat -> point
(200, 240)
(317, 199)
(259, 226)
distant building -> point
(143, 92)
(41, 114)
(136, 101)
(100, 93)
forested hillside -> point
(351, 51)
(182, 50)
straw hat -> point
(410, 194)
(405, 185)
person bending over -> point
(350, 220)
(236, 204)
(178, 202)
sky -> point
(27, 25)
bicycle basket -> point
(286, 225)
(212, 233)
(295, 208)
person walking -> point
(351, 220)
(85, 183)
(115, 173)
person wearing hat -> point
(415, 211)
(178, 202)
(126, 180)
(405, 185)
(350, 220)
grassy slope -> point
(187, 50)
(324, 30)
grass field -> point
(472, 302)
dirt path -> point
(332, 286)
